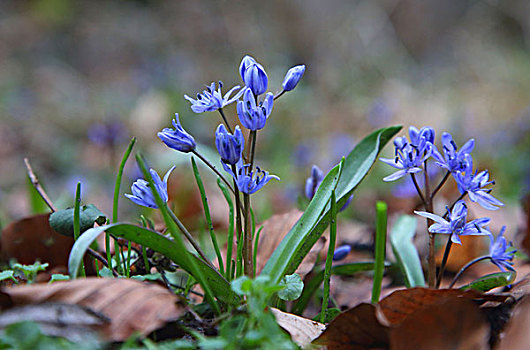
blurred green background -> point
(79, 78)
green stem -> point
(214, 169)
(247, 239)
(466, 267)
(172, 227)
(256, 243)
(279, 94)
(188, 235)
(239, 225)
(225, 120)
(380, 245)
(329, 258)
(440, 184)
(444, 261)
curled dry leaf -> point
(131, 306)
(302, 330)
(355, 329)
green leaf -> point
(305, 233)
(62, 221)
(493, 280)
(58, 277)
(293, 287)
(7, 274)
(241, 285)
(29, 269)
(157, 242)
(405, 251)
(380, 249)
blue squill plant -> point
(412, 158)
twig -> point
(36, 184)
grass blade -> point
(380, 245)
(231, 229)
(77, 223)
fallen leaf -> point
(355, 329)
(73, 322)
(516, 335)
(521, 288)
(396, 307)
(452, 323)
(302, 330)
(31, 239)
(274, 230)
(131, 306)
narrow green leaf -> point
(293, 287)
(292, 248)
(62, 221)
(286, 258)
(380, 253)
(207, 215)
(329, 257)
(158, 243)
(493, 280)
(77, 221)
(230, 243)
(405, 251)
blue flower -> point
(474, 184)
(341, 252)
(292, 77)
(142, 194)
(416, 135)
(229, 146)
(253, 75)
(252, 116)
(211, 100)
(501, 253)
(177, 139)
(456, 226)
(453, 159)
(409, 158)
(313, 181)
(249, 182)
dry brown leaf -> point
(395, 308)
(453, 323)
(31, 239)
(274, 230)
(131, 306)
(355, 329)
(516, 335)
(302, 330)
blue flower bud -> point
(253, 75)
(341, 252)
(142, 193)
(292, 77)
(229, 146)
(177, 139)
(312, 182)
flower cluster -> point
(253, 112)
(412, 157)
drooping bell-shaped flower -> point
(341, 252)
(313, 181)
(177, 138)
(501, 253)
(293, 76)
(253, 75)
(249, 182)
(142, 193)
(230, 147)
(254, 116)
